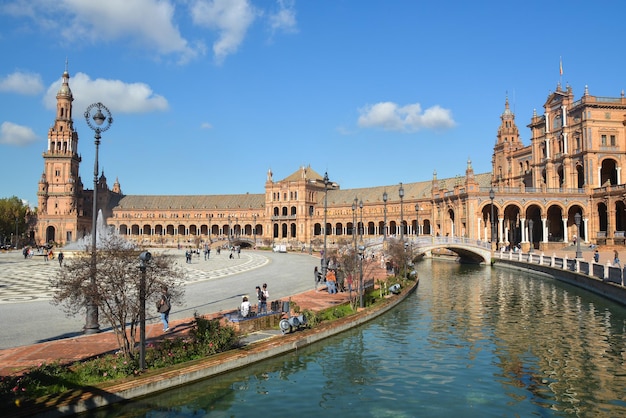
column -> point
(619, 175)
(500, 230)
(523, 227)
(565, 143)
(585, 226)
(599, 177)
(565, 234)
(544, 228)
(478, 228)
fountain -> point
(104, 234)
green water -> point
(471, 342)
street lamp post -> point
(361, 226)
(530, 235)
(311, 230)
(361, 255)
(254, 228)
(417, 219)
(210, 217)
(385, 197)
(492, 195)
(355, 202)
(361, 252)
(577, 218)
(324, 260)
(144, 258)
(356, 260)
(99, 119)
(229, 231)
(401, 193)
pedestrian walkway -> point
(68, 350)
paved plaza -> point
(213, 285)
(34, 331)
(23, 280)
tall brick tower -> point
(507, 144)
(60, 196)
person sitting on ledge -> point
(244, 309)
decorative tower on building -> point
(507, 143)
(60, 195)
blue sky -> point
(207, 95)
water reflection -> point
(473, 341)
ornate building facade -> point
(535, 192)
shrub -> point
(207, 337)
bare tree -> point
(116, 292)
(357, 266)
(397, 255)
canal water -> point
(471, 342)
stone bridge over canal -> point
(468, 250)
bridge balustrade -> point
(605, 272)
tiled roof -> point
(336, 197)
(304, 173)
(375, 194)
(209, 202)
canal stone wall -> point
(606, 287)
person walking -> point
(164, 306)
(596, 256)
(349, 282)
(331, 281)
(61, 257)
(264, 298)
(316, 277)
(616, 262)
(340, 276)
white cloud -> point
(206, 125)
(231, 18)
(22, 83)
(118, 96)
(285, 18)
(410, 118)
(148, 23)
(152, 24)
(13, 134)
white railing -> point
(606, 272)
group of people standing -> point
(336, 280)
(48, 254)
(262, 295)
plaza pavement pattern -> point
(24, 280)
